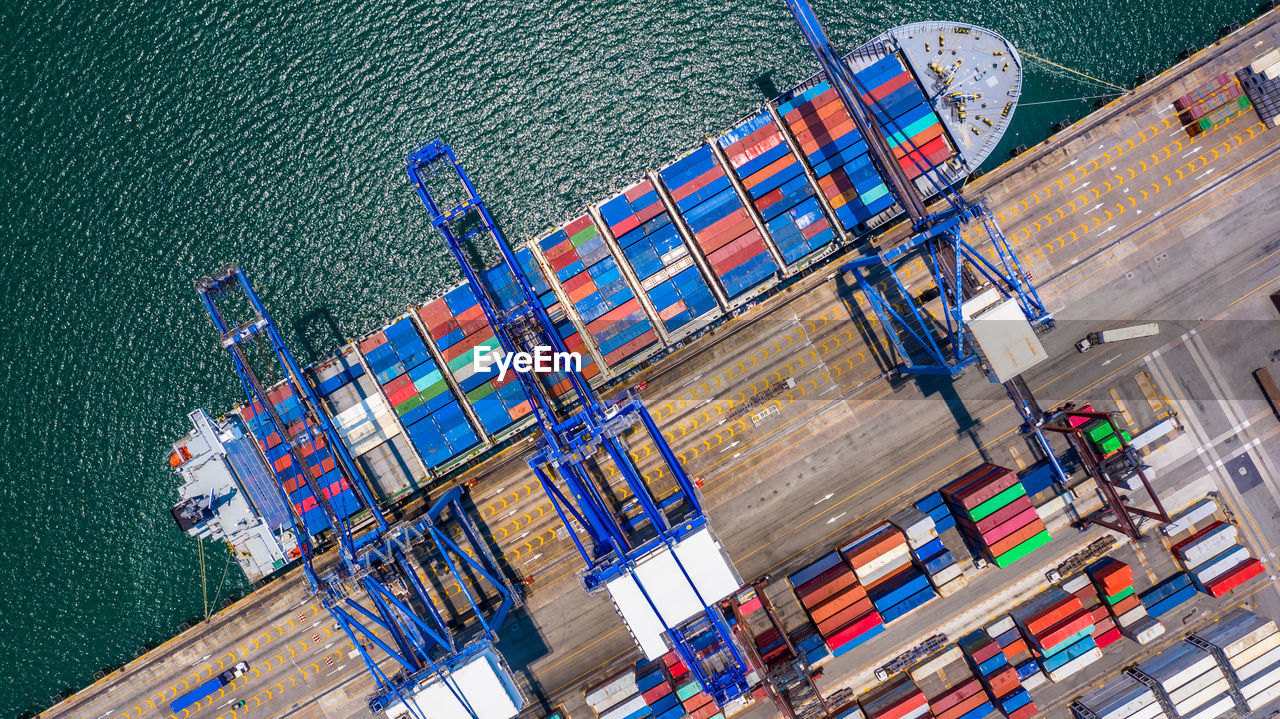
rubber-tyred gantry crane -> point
(649, 546)
(376, 587)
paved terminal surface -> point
(1121, 217)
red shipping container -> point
(1234, 577)
(984, 650)
(903, 706)
(1195, 537)
(954, 695)
(1107, 637)
(1124, 605)
(835, 621)
(1049, 639)
(837, 604)
(1018, 537)
(885, 541)
(1003, 681)
(706, 712)
(856, 628)
(887, 87)
(808, 591)
(979, 485)
(638, 190)
(1002, 515)
(1057, 612)
(1026, 712)
(706, 178)
(967, 705)
(1016, 522)
(656, 693)
(630, 348)
(1014, 648)
(823, 98)
(1088, 595)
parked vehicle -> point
(1120, 333)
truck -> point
(209, 687)
(1131, 332)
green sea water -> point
(144, 144)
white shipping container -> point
(1125, 701)
(1076, 664)
(1202, 550)
(1137, 613)
(1211, 571)
(1033, 681)
(957, 583)
(937, 664)
(1143, 631)
(874, 563)
(1214, 709)
(1185, 702)
(618, 685)
(1000, 626)
(1181, 673)
(917, 713)
(1256, 702)
(1260, 682)
(613, 700)
(1272, 72)
(1189, 517)
(1057, 504)
(1154, 711)
(1242, 654)
(1258, 665)
(946, 574)
(1076, 583)
(632, 705)
(1237, 631)
(884, 565)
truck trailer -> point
(208, 688)
(1115, 335)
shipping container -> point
(723, 229)
(656, 255)
(367, 425)
(601, 294)
(415, 386)
(780, 191)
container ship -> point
(636, 274)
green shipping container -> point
(583, 235)
(1109, 445)
(1206, 124)
(434, 390)
(1120, 595)
(1098, 430)
(991, 506)
(480, 392)
(1023, 549)
(409, 404)
(1244, 103)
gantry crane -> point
(654, 553)
(375, 590)
(938, 240)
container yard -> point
(979, 588)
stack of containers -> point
(1248, 649)
(838, 155)
(366, 423)
(1016, 651)
(695, 702)
(1001, 680)
(933, 505)
(589, 275)
(929, 551)
(1060, 631)
(1190, 679)
(1113, 585)
(882, 562)
(836, 603)
(1105, 631)
(774, 178)
(966, 699)
(721, 226)
(651, 244)
(913, 131)
(899, 698)
(321, 464)
(1102, 435)
(1216, 560)
(618, 697)
(1217, 117)
(458, 326)
(653, 679)
(415, 386)
(1123, 697)
(565, 327)
(994, 512)
(811, 644)
(1189, 518)
(1169, 594)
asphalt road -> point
(1120, 217)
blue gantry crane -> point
(650, 547)
(937, 235)
(376, 589)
